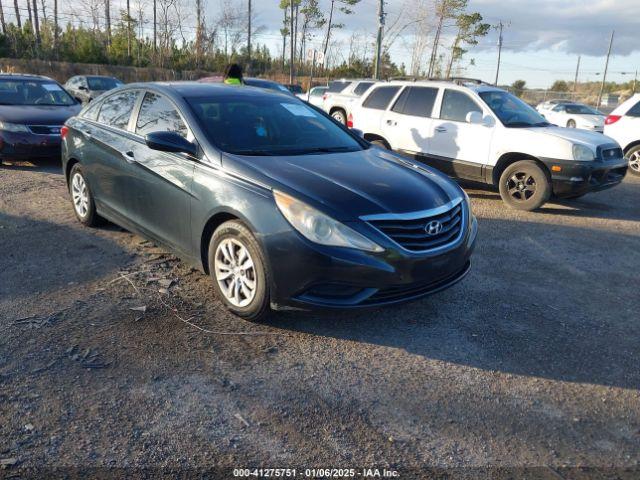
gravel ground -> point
(531, 361)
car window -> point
(558, 108)
(33, 92)
(634, 111)
(416, 101)
(380, 97)
(91, 113)
(157, 114)
(269, 125)
(361, 88)
(102, 83)
(338, 86)
(116, 110)
(456, 105)
(318, 92)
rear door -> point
(109, 167)
(409, 119)
(370, 117)
(629, 126)
(456, 147)
(163, 180)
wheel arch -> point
(68, 166)
(335, 108)
(212, 224)
(630, 146)
(510, 158)
(370, 137)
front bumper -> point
(577, 178)
(306, 275)
(20, 146)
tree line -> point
(195, 35)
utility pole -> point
(18, 22)
(500, 26)
(635, 81)
(291, 44)
(606, 67)
(4, 26)
(376, 73)
(155, 27)
(575, 79)
(249, 36)
(128, 30)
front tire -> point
(524, 186)
(633, 155)
(81, 198)
(239, 271)
(340, 116)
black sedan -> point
(271, 197)
(32, 111)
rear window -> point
(102, 83)
(416, 101)
(362, 87)
(634, 111)
(116, 110)
(337, 87)
(380, 97)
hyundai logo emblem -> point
(434, 227)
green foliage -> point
(518, 87)
(560, 86)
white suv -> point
(338, 100)
(479, 132)
(623, 125)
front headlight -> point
(583, 154)
(13, 127)
(320, 228)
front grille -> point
(424, 233)
(45, 129)
(611, 153)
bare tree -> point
(230, 24)
(55, 26)
(36, 25)
(107, 19)
(343, 6)
(2, 24)
(17, 10)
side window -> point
(417, 101)
(91, 113)
(157, 114)
(559, 108)
(380, 97)
(361, 88)
(456, 105)
(116, 110)
(634, 111)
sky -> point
(542, 39)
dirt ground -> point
(532, 361)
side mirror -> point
(170, 142)
(474, 117)
(358, 132)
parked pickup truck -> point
(341, 95)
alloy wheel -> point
(80, 195)
(235, 272)
(521, 186)
(634, 161)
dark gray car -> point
(86, 88)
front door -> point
(457, 147)
(163, 180)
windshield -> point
(33, 92)
(582, 110)
(102, 83)
(512, 111)
(269, 125)
(256, 82)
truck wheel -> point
(340, 116)
(524, 186)
(634, 160)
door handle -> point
(441, 129)
(87, 135)
(392, 123)
(129, 156)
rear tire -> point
(633, 155)
(81, 198)
(524, 186)
(239, 272)
(340, 116)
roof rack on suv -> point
(456, 80)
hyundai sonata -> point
(280, 204)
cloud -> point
(569, 26)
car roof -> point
(24, 76)
(447, 84)
(189, 89)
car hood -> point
(37, 114)
(350, 185)
(573, 135)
